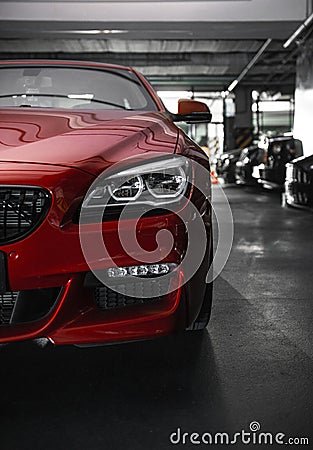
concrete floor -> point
(253, 364)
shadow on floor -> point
(124, 396)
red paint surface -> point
(63, 151)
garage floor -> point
(254, 363)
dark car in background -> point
(249, 158)
(299, 183)
(280, 151)
(226, 165)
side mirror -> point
(192, 111)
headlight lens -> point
(289, 172)
(129, 190)
(156, 183)
(167, 184)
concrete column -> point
(229, 141)
(243, 102)
(228, 117)
(304, 98)
(243, 126)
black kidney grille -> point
(107, 298)
(7, 302)
(22, 209)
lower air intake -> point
(137, 294)
(7, 303)
(27, 306)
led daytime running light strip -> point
(147, 270)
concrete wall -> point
(303, 126)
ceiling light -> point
(299, 31)
(232, 86)
(88, 31)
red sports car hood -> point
(89, 141)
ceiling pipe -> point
(299, 31)
(249, 66)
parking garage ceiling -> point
(203, 45)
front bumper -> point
(299, 195)
(244, 174)
(272, 178)
(74, 316)
(48, 269)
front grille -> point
(298, 186)
(301, 176)
(22, 210)
(7, 302)
(138, 293)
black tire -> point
(203, 318)
(204, 315)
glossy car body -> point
(226, 165)
(280, 150)
(249, 158)
(299, 183)
(49, 158)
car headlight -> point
(289, 172)
(155, 183)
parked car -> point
(279, 152)
(80, 143)
(299, 183)
(250, 157)
(225, 165)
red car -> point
(99, 190)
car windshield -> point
(72, 88)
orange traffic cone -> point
(214, 179)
